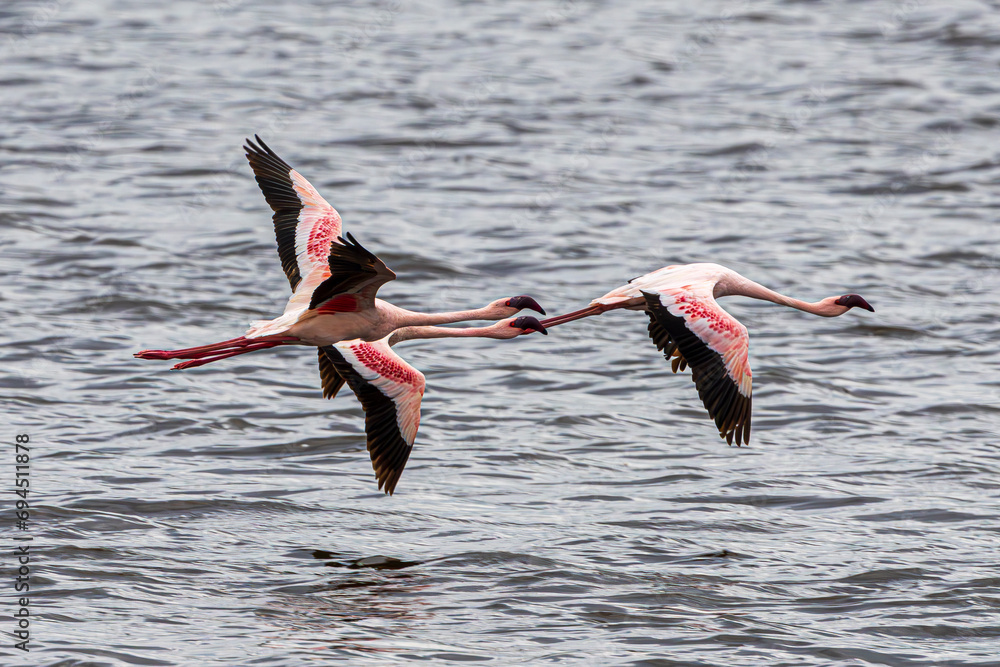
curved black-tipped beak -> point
(854, 301)
(529, 323)
(522, 302)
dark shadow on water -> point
(353, 611)
(369, 562)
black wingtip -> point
(347, 239)
(265, 148)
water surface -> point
(567, 501)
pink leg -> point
(254, 343)
(576, 315)
(208, 358)
(176, 354)
(206, 350)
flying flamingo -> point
(333, 307)
(689, 326)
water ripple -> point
(567, 500)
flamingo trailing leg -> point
(690, 328)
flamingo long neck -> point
(754, 290)
(421, 332)
(409, 318)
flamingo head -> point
(849, 301)
(513, 327)
(513, 305)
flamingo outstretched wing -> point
(353, 272)
(390, 391)
(330, 379)
(690, 326)
(304, 223)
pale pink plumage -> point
(392, 376)
(719, 330)
(689, 326)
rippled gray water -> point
(567, 501)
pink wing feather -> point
(304, 223)
(318, 225)
(716, 328)
(688, 323)
(390, 391)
